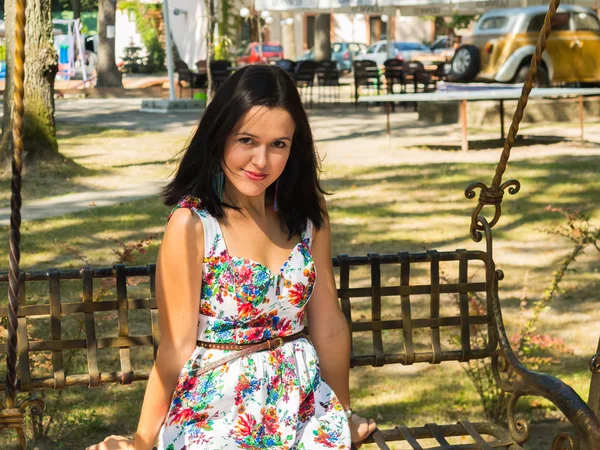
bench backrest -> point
(98, 326)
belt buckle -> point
(277, 342)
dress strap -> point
(307, 234)
(213, 241)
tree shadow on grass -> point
(46, 179)
(576, 174)
(497, 143)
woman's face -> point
(258, 149)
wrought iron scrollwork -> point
(518, 427)
(595, 364)
(488, 196)
(564, 441)
(35, 405)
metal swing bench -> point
(510, 374)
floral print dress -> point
(273, 399)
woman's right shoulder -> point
(183, 219)
(184, 230)
(189, 202)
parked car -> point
(378, 52)
(503, 41)
(271, 51)
(343, 53)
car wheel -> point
(465, 63)
(542, 78)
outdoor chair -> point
(304, 76)
(194, 80)
(219, 71)
(286, 64)
(366, 74)
(440, 74)
(422, 79)
(394, 74)
(328, 81)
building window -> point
(377, 29)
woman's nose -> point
(259, 158)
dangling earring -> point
(275, 206)
(218, 184)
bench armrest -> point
(513, 377)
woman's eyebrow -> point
(245, 133)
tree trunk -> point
(76, 9)
(9, 23)
(210, 30)
(41, 65)
(108, 73)
(323, 37)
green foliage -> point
(225, 30)
(457, 21)
(444, 26)
(147, 27)
(89, 20)
(67, 5)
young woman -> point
(245, 259)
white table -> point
(499, 94)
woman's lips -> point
(255, 176)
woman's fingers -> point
(372, 426)
(361, 428)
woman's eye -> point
(245, 140)
(279, 144)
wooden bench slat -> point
(374, 260)
(56, 328)
(83, 379)
(407, 323)
(436, 432)
(90, 328)
(420, 357)
(389, 291)
(423, 257)
(345, 300)
(408, 436)
(434, 306)
(463, 299)
(76, 344)
(123, 323)
(154, 313)
(475, 435)
(395, 324)
(79, 307)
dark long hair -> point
(299, 192)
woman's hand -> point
(360, 429)
(113, 443)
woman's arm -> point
(178, 284)
(327, 325)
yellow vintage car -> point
(503, 42)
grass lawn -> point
(383, 209)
